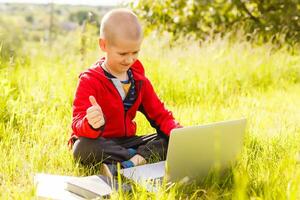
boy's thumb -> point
(93, 101)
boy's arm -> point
(80, 125)
(159, 117)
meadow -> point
(221, 79)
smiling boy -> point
(108, 96)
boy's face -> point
(121, 54)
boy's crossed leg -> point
(129, 151)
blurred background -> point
(42, 22)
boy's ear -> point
(102, 44)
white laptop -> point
(195, 151)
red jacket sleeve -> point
(80, 125)
(155, 111)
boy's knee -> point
(82, 150)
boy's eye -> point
(122, 54)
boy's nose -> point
(129, 59)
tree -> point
(203, 17)
(29, 19)
(81, 16)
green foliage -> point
(29, 18)
(276, 20)
(218, 81)
(88, 38)
(82, 16)
(10, 42)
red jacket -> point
(118, 123)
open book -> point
(91, 186)
(73, 188)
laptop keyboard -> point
(154, 171)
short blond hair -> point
(120, 22)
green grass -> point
(220, 80)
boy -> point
(108, 96)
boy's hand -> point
(94, 114)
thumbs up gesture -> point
(94, 114)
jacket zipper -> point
(125, 113)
